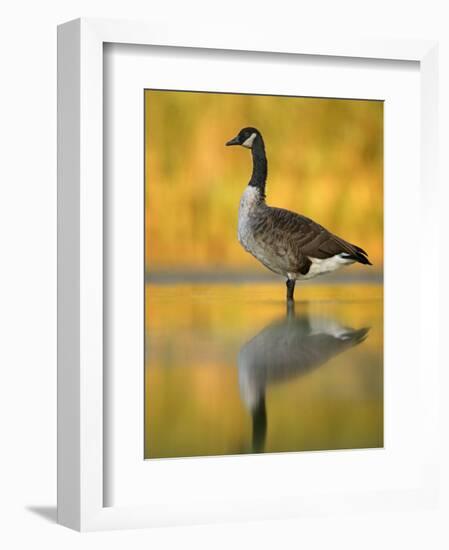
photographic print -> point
(263, 274)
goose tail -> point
(358, 255)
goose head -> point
(246, 137)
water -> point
(229, 370)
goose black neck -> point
(259, 426)
(260, 168)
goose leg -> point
(290, 289)
(290, 309)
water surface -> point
(230, 370)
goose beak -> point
(233, 141)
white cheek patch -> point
(249, 141)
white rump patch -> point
(249, 141)
(326, 265)
(323, 325)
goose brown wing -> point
(304, 238)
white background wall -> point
(28, 270)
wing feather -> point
(302, 238)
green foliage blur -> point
(325, 160)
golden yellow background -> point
(325, 160)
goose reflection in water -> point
(285, 350)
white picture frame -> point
(81, 491)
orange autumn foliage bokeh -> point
(325, 160)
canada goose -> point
(284, 350)
(285, 242)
